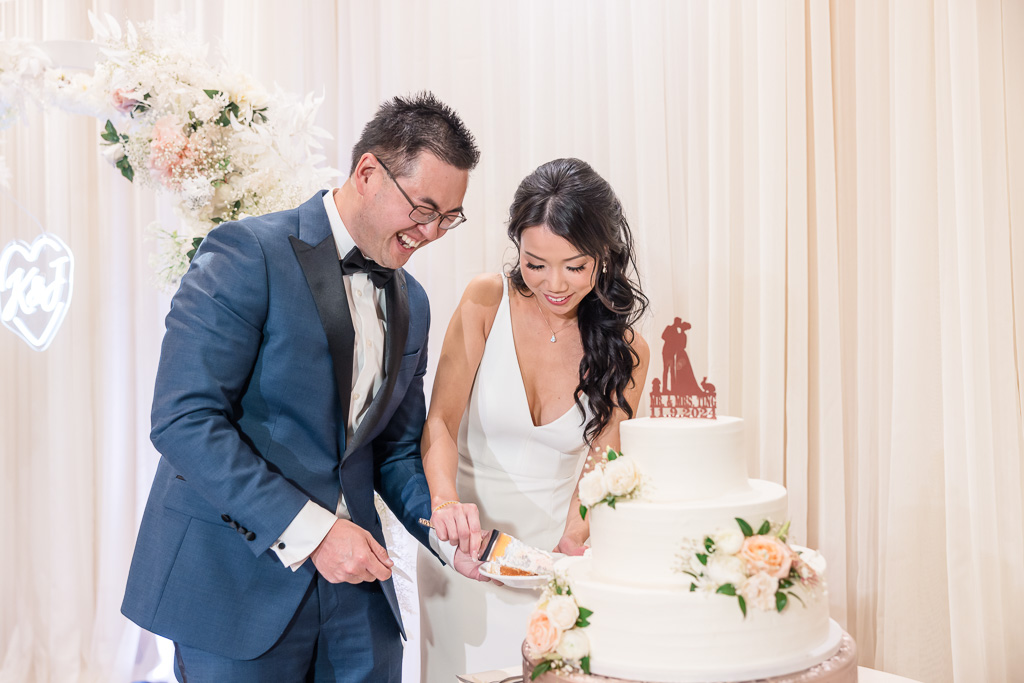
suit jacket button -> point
(234, 525)
(250, 536)
(242, 530)
(225, 518)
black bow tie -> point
(355, 262)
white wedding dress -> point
(521, 477)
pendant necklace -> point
(541, 311)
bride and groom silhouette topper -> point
(677, 393)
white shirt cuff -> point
(444, 550)
(303, 535)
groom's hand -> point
(349, 554)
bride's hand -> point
(459, 524)
(570, 546)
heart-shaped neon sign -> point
(35, 288)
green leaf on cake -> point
(585, 664)
(708, 543)
(785, 583)
(726, 589)
(611, 502)
(743, 604)
(780, 601)
(582, 621)
(765, 528)
(211, 93)
(745, 528)
(784, 531)
(702, 558)
(693, 587)
(797, 597)
(612, 455)
(583, 511)
(540, 668)
(126, 169)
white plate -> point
(527, 582)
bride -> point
(537, 368)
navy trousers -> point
(341, 633)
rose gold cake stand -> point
(839, 668)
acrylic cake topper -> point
(677, 393)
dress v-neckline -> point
(519, 368)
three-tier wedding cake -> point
(690, 577)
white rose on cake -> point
(729, 541)
(593, 488)
(621, 476)
(722, 569)
(759, 591)
(562, 611)
(574, 645)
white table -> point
(863, 676)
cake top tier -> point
(686, 458)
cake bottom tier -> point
(839, 668)
(670, 635)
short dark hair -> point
(405, 126)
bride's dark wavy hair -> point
(577, 204)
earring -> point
(604, 267)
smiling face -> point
(554, 270)
(382, 228)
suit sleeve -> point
(210, 348)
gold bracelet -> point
(446, 504)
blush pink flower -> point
(767, 554)
(168, 149)
(541, 633)
(123, 100)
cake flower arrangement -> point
(615, 478)
(555, 632)
(759, 569)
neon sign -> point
(35, 288)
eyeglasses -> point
(424, 214)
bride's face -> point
(554, 270)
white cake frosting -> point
(647, 623)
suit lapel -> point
(321, 267)
(397, 300)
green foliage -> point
(765, 528)
(540, 669)
(745, 528)
(780, 600)
(583, 511)
(196, 241)
(585, 664)
(726, 589)
(743, 604)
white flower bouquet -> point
(212, 137)
(759, 569)
(616, 478)
(555, 632)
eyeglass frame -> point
(460, 218)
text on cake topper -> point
(677, 393)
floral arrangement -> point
(555, 630)
(212, 137)
(755, 568)
(616, 478)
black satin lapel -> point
(322, 269)
(397, 302)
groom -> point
(290, 387)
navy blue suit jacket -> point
(248, 420)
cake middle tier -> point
(637, 542)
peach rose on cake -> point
(562, 611)
(759, 590)
(541, 633)
(621, 476)
(767, 554)
(593, 488)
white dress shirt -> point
(367, 304)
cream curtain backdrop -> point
(825, 190)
